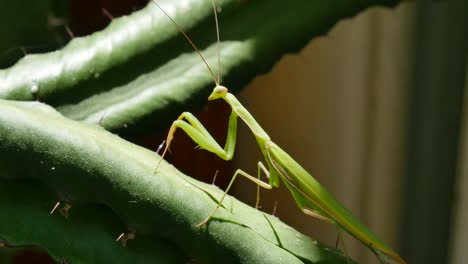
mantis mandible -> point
(311, 197)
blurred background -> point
(374, 110)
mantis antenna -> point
(217, 41)
(216, 80)
(193, 44)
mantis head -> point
(218, 92)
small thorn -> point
(120, 236)
(64, 210)
(214, 177)
(163, 154)
(55, 207)
(124, 237)
(274, 208)
(337, 241)
(101, 119)
(160, 146)
(69, 32)
(107, 14)
(35, 91)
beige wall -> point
(337, 107)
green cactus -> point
(132, 75)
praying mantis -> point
(310, 196)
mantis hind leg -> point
(308, 211)
(256, 180)
(260, 167)
(317, 215)
(341, 238)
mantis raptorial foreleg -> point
(205, 140)
(202, 137)
(257, 181)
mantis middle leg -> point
(257, 180)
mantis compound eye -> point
(218, 92)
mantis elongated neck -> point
(241, 112)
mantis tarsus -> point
(311, 197)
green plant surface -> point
(133, 77)
(112, 184)
(34, 34)
(76, 238)
(136, 76)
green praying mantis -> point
(311, 197)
